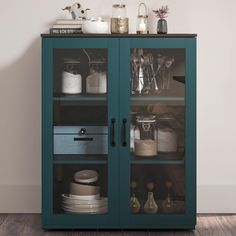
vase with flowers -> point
(162, 13)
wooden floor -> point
(30, 225)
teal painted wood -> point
(190, 161)
(119, 160)
(159, 162)
(102, 98)
(49, 219)
(47, 132)
(157, 99)
(188, 219)
(125, 159)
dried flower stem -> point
(162, 12)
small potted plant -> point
(162, 13)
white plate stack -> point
(84, 196)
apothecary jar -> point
(144, 136)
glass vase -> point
(150, 207)
(162, 26)
(134, 204)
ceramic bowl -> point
(86, 176)
(93, 26)
(83, 190)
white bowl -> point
(95, 26)
(77, 198)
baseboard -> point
(20, 199)
(216, 199)
(27, 199)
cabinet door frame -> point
(187, 220)
(49, 219)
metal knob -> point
(82, 131)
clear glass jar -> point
(119, 20)
(144, 136)
(96, 82)
(167, 139)
(71, 79)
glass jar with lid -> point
(167, 139)
(96, 82)
(144, 136)
(71, 78)
(119, 20)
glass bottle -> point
(134, 202)
(150, 207)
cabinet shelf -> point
(150, 99)
(157, 161)
(160, 159)
(80, 159)
(81, 98)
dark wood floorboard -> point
(30, 225)
(186, 233)
(135, 233)
(160, 233)
(110, 232)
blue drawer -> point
(80, 140)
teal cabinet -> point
(119, 131)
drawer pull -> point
(83, 139)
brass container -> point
(119, 26)
(119, 21)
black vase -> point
(162, 26)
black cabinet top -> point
(118, 35)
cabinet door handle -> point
(124, 143)
(113, 121)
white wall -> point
(21, 23)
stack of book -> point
(66, 26)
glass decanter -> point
(134, 202)
(150, 207)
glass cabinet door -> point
(154, 151)
(83, 126)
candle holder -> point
(142, 20)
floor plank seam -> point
(222, 226)
(3, 220)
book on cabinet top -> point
(64, 26)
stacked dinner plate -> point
(84, 196)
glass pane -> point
(80, 183)
(157, 131)
(157, 189)
(81, 198)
